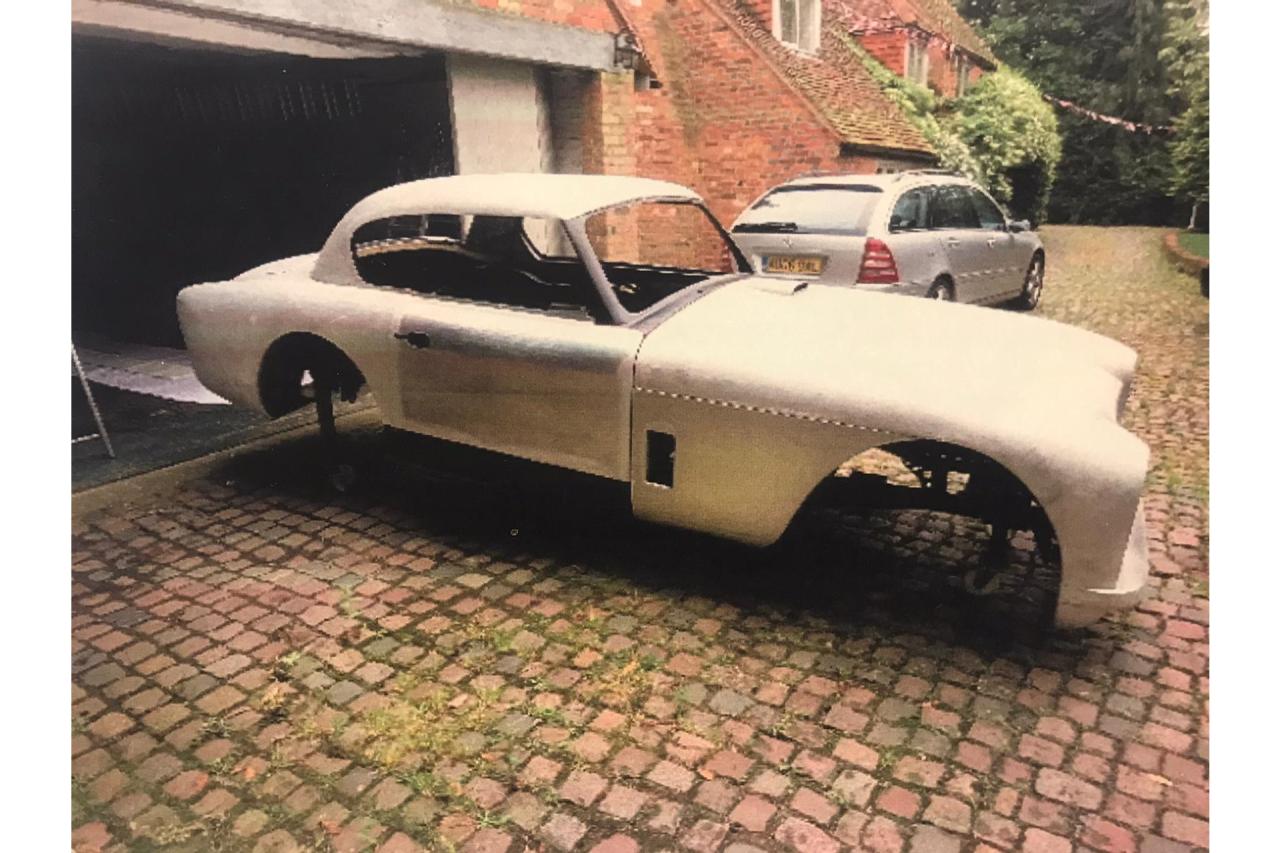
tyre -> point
(1032, 286)
(942, 291)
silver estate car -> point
(922, 233)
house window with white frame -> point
(917, 62)
(962, 73)
(798, 23)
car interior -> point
(495, 262)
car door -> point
(506, 350)
(548, 388)
(954, 223)
(915, 248)
(1006, 264)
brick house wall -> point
(722, 122)
(763, 10)
(943, 78)
(890, 48)
(587, 14)
(885, 27)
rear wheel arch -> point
(942, 280)
(280, 375)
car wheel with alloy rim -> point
(1032, 285)
(942, 291)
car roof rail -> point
(951, 173)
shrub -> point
(1001, 133)
(920, 106)
(1012, 133)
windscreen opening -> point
(811, 209)
(652, 250)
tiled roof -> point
(940, 17)
(837, 84)
(934, 16)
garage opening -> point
(192, 164)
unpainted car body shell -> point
(767, 384)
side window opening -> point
(989, 216)
(952, 209)
(486, 259)
(911, 213)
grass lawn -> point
(1195, 243)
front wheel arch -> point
(1006, 497)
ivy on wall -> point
(1000, 133)
(921, 108)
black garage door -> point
(192, 165)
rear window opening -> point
(811, 209)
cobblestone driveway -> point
(451, 660)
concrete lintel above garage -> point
(324, 29)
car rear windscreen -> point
(811, 209)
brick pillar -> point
(608, 135)
(608, 148)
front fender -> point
(742, 472)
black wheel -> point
(942, 291)
(1032, 286)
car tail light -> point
(878, 265)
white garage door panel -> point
(498, 116)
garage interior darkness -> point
(193, 164)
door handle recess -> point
(421, 340)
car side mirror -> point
(1019, 225)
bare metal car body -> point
(725, 404)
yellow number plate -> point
(795, 264)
